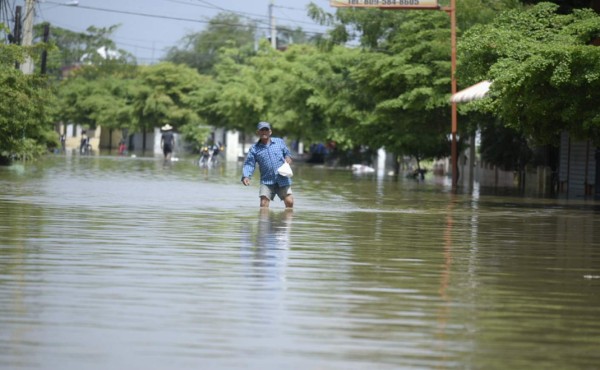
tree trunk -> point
(396, 164)
(144, 140)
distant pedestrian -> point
(167, 141)
(122, 147)
(270, 153)
(84, 144)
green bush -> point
(26, 105)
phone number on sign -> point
(383, 2)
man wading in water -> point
(167, 141)
(270, 153)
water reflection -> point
(120, 263)
(446, 269)
(266, 248)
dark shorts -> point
(167, 149)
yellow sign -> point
(391, 4)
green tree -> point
(293, 89)
(200, 50)
(68, 49)
(545, 70)
(98, 95)
(319, 101)
(289, 80)
(166, 93)
(240, 99)
(287, 36)
(71, 94)
(402, 81)
(567, 6)
(504, 147)
(26, 109)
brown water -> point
(126, 263)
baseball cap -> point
(262, 125)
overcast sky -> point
(148, 27)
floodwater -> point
(128, 263)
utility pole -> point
(454, 114)
(27, 66)
(16, 38)
(273, 30)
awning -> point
(474, 92)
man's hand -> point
(288, 160)
(246, 181)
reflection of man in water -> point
(269, 252)
(274, 229)
(264, 258)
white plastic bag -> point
(285, 170)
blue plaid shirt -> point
(269, 158)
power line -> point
(254, 16)
(293, 20)
(255, 21)
(6, 12)
(134, 13)
(211, 5)
(148, 15)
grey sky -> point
(165, 22)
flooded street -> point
(128, 263)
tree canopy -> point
(200, 50)
(544, 67)
(377, 79)
(26, 109)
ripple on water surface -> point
(120, 264)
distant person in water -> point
(83, 144)
(270, 153)
(167, 141)
(122, 147)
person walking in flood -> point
(84, 144)
(167, 141)
(270, 153)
